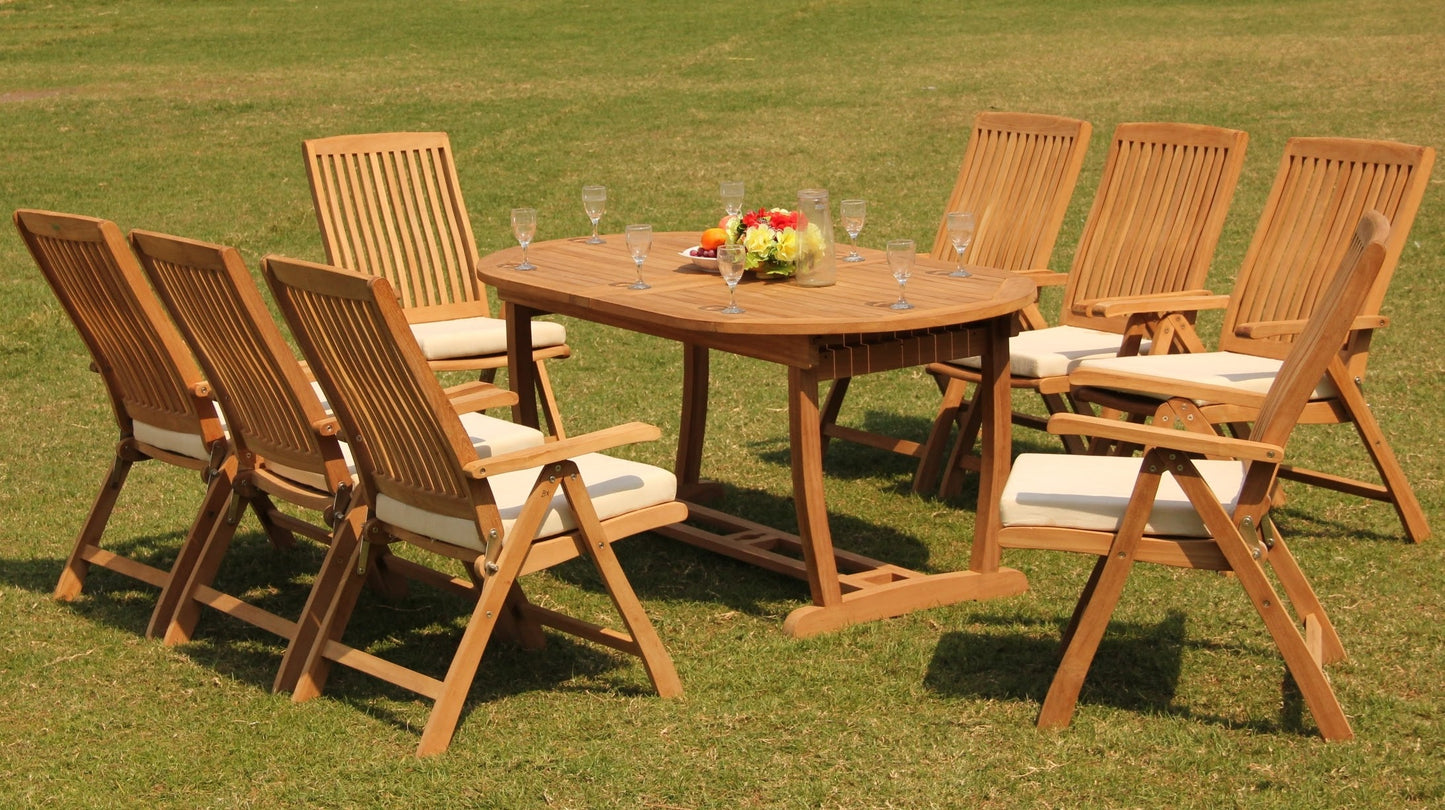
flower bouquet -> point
(773, 239)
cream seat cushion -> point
(1243, 371)
(617, 486)
(179, 442)
(1092, 492)
(489, 435)
(470, 337)
(1053, 351)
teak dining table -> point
(818, 334)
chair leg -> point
(263, 508)
(970, 427)
(954, 394)
(305, 667)
(549, 400)
(1097, 602)
(72, 576)
(1306, 604)
(832, 406)
(177, 612)
(213, 511)
(1400, 494)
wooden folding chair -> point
(390, 205)
(161, 402)
(422, 483)
(1322, 188)
(1017, 177)
(1153, 227)
(286, 443)
(1194, 500)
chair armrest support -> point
(1072, 424)
(1269, 329)
(1085, 377)
(1044, 277)
(571, 447)
(326, 426)
(1190, 301)
(478, 396)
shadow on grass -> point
(1137, 668)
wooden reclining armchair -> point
(390, 204)
(161, 402)
(1322, 188)
(422, 483)
(1194, 500)
(1017, 177)
(1153, 227)
(286, 444)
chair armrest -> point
(326, 426)
(1269, 329)
(1072, 424)
(1085, 377)
(478, 396)
(571, 447)
(1044, 277)
(1191, 301)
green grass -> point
(187, 118)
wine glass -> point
(960, 233)
(854, 212)
(524, 227)
(900, 259)
(639, 241)
(731, 262)
(594, 202)
(731, 192)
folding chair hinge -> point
(1259, 538)
(235, 508)
(220, 448)
(371, 528)
(490, 566)
(340, 504)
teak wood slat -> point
(817, 334)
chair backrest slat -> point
(150, 375)
(1322, 189)
(1018, 174)
(1156, 217)
(270, 406)
(390, 205)
(407, 440)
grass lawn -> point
(187, 117)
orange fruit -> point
(723, 223)
(712, 237)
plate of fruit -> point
(704, 254)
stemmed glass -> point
(594, 202)
(854, 212)
(731, 192)
(731, 261)
(900, 259)
(639, 241)
(524, 227)
(960, 233)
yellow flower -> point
(758, 240)
(813, 240)
(788, 246)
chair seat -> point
(1053, 351)
(472, 337)
(180, 442)
(489, 435)
(1092, 493)
(1243, 371)
(617, 486)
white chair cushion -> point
(1092, 492)
(176, 441)
(471, 337)
(617, 486)
(490, 436)
(1243, 371)
(1053, 351)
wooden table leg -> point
(806, 445)
(996, 444)
(521, 374)
(694, 415)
